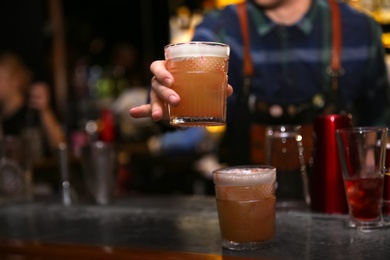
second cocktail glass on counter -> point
(246, 206)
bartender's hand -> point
(161, 94)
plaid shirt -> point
(290, 61)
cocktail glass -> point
(246, 206)
(199, 70)
(362, 158)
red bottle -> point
(326, 180)
(107, 133)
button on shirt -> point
(290, 61)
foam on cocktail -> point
(244, 176)
(196, 49)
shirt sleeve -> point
(211, 28)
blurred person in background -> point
(25, 105)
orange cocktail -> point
(246, 206)
(200, 78)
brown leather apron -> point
(257, 131)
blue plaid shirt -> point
(290, 61)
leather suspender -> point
(242, 15)
(248, 64)
(334, 69)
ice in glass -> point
(245, 198)
(364, 198)
(199, 70)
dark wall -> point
(22, 32)
(25, 29)
(142, 23)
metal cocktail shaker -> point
(326, 181)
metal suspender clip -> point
(334, 75)
(246, 88)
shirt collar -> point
(266, 25)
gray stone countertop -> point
(187, 224)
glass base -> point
(367, 225)
(238, 246)
(197, 121)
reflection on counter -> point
(173, 227)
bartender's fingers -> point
(141, 111)
(161, 73)
(229, 91)
(163, 93)
(156, 109)
(162, 82)
(159, 108)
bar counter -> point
(172, 227)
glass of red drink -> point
(246, 206)
(362, 158)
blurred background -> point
(94, 55)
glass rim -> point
(196, 49)
(342, 115)
(229, 169)
(244, 175)
(211, 43)
(362, 129)
(285, 126)
(283, 130)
